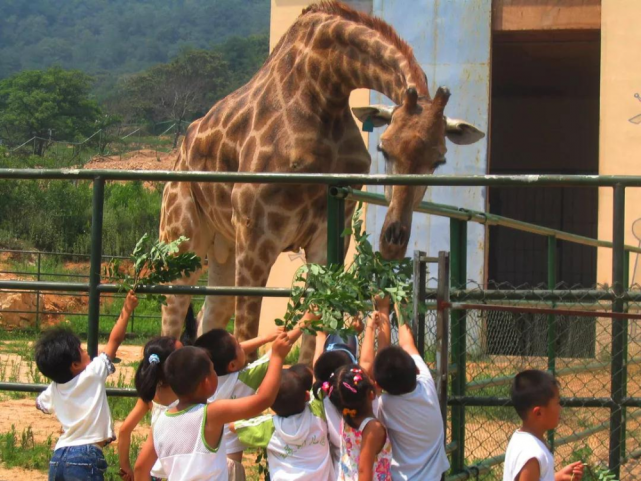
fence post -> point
(419, 299)
(618, 361)
(442, 333)
(551, 334)
(38, 296)
(458, 250)
(94, 267)
(335, 225)
(626, 323)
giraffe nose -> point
(396, 234)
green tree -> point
(182, 89)
(49, 104)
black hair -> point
(221, 347)
(305, 373)
(350, 389)
(186, 368)
(325, 366)
(532, 388)
(395, 371)
(55, 352)
(189, 334)
(150, 371)
(291, 397)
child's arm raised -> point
(120, 329)
(251, 345)
(321, 337)
(384, 328)
(146, 460)
(225, 411)
(367, 348)
(124, 438)
(374, 436)
(406, 340)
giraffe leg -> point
(217, 310)
(180, 217)
(255, 256)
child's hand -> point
(273, 335)
(131, 302)
(572, 472)
(127, 474)
(357, 324)
(382, 302)
(281, 346)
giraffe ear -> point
(461, 132)
(378, 115)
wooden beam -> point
(519, 15)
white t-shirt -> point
(523, 447)
(81, 405)
(183, 452)
(238, 385)
(297, 446)
(415, 428)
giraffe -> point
(294, 116)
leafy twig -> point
(155, 263)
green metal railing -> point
(338, 192)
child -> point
(155, 396)
(536, 398)
(410, 410)
(326, 362)
(236, 379)
(78, 398)
(188, 438)
(305, 373)
(295, 438)
(366, 452)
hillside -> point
(107, 38)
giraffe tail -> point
(188, 337)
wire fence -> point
(507, 335)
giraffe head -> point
(414, 143)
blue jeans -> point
(78, 463)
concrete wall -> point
(620, 130)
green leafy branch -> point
(155, 263)
(336, 294)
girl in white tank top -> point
(155, 396)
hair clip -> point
(350, 412)
(154, 359)
(325, 387)
(357, 379)
(355, 369)
(349, 387)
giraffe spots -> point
(313, 67)
(339, 32)
(323, 41)
(241, 125)
(269, 136)
(266, 249)
(337, 130)
(276, 221)
(174, 214)
(258, 212)
(227, 157)
(258, 272)
(291, 84)
(266, 109)
(171, 199)
(227, 118)
(262, 160)
(249, 149)
(242, 280)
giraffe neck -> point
(340, 55)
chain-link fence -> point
(566, 331)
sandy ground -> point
(145, 159)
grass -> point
(22, 451)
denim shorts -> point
(78, 463)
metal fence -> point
(493, 333)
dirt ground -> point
(145, 159)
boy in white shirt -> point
(78, 398)
(410, 411)
(295, 438)
(537, 401)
